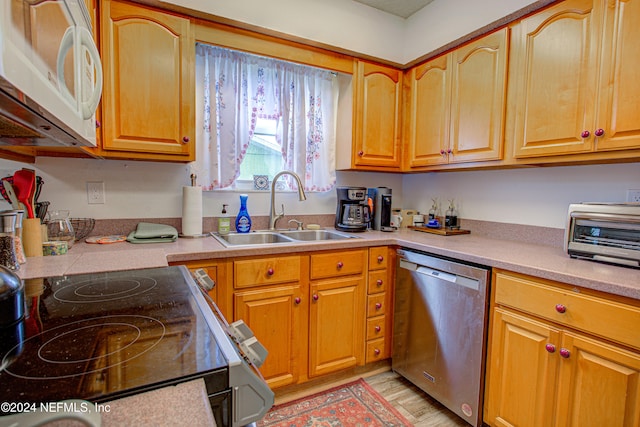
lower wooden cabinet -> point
(546, 368)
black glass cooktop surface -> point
(107, 335)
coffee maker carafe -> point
(352, 212)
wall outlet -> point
(633, 196)
(95, 193)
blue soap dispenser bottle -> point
(243, 220)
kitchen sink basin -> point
(277, 237)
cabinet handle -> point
(378, 328)
(340, 264)
(565, 353)
(561, 308)
(379, 282)
(599, 132)
(585, 134)
(185, 139)
(376, 351)
(380, 259)
(315, 297)
(270, 272)
(297, 300)
(360, 153)
(378, 305)
(550, 348)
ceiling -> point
(401, 8)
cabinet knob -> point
(442, 152)
(585, 134)
(561, 308)
(378, 305)
(340, 264)
(565, 353)
(379, 282)
(376, 351)
(599, 132)
(378, 328)
(360, 153)
(297, 300)
(185, 139)
(380, 259)
(98, 124)
(449, 151)
(315, 297)
(550, 348)
(270, 271)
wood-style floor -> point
(416, 406)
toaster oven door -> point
(602, 237)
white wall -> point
(536, 196)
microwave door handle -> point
(66, 43)
(89, 106)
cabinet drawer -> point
(265, 271)
(378, 258)
(336, 264)
(599, 316)
(376, 305)
(375, 350)
(376, 327)
(377, 282)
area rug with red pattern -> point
(351, 405)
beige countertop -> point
(548, 262)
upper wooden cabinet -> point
(456, 105)
(377, 117)
(148, 100)
(577, 79)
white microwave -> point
(50, 73)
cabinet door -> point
(275, 315)
(556, 54)
(336, 325)
(619, 110)
(428, 113)
(521, 371)
(479, 98)
(599, 384)
(148, 61)
(377, 116)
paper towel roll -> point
(191, 211)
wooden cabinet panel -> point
(376, 350)
(335, 325)
(378, 258)
(376, 327)
(265, 271)
(337, 264)
(377, 116)
(275, 318)
(378, 281)
(149, 96)
(376, 304)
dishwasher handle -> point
(437, 274)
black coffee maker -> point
(352, 212)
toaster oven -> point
(605, 232)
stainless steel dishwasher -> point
(439, 332)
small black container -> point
(12, 305)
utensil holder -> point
(32, 237)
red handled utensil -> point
(24, 185)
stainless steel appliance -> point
(605, 232)
(439, 333)
(103, 336)
(352, 211)
(50, 73)
(382, 209)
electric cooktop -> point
(103, 336)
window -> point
(259, 116)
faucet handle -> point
(282, 213)
(298, 223)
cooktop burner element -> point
(103, 336)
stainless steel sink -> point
(278, 237)
(315, 235)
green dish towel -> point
(147, 232)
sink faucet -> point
(273, 216)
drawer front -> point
(376, 327)
(377, 282)
(378, 258)
(599, 316)
(265, 271)
(376, 305)
(337, 264)
(375, 350)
